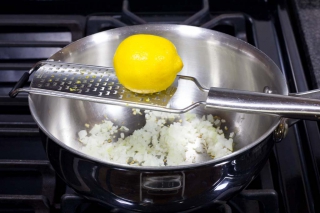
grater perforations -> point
(92, 81)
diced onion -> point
(165, 140)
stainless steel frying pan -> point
(213, 58)
(216, 60)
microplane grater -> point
(91, 83)
(100, 84)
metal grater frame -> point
(92, 83)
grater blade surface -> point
(86, 80)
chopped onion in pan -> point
(165, 140)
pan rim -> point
(213, 162)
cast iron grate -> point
(259, 32)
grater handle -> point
(22, 81)
(262, 103)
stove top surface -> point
(288, 182)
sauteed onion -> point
(165, 140)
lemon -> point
(146, 63)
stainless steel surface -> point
(214, 59)
(89, 83)
(313, 94)
(271, 104)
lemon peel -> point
(146, 63)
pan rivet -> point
(267, 90)
(281, 131)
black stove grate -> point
(279, 187)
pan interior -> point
(215, 59)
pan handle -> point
(312, 94)
(23, 80)
(262, 103)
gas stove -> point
(35, 30)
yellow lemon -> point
(146, 63)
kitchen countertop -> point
(307, 12)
